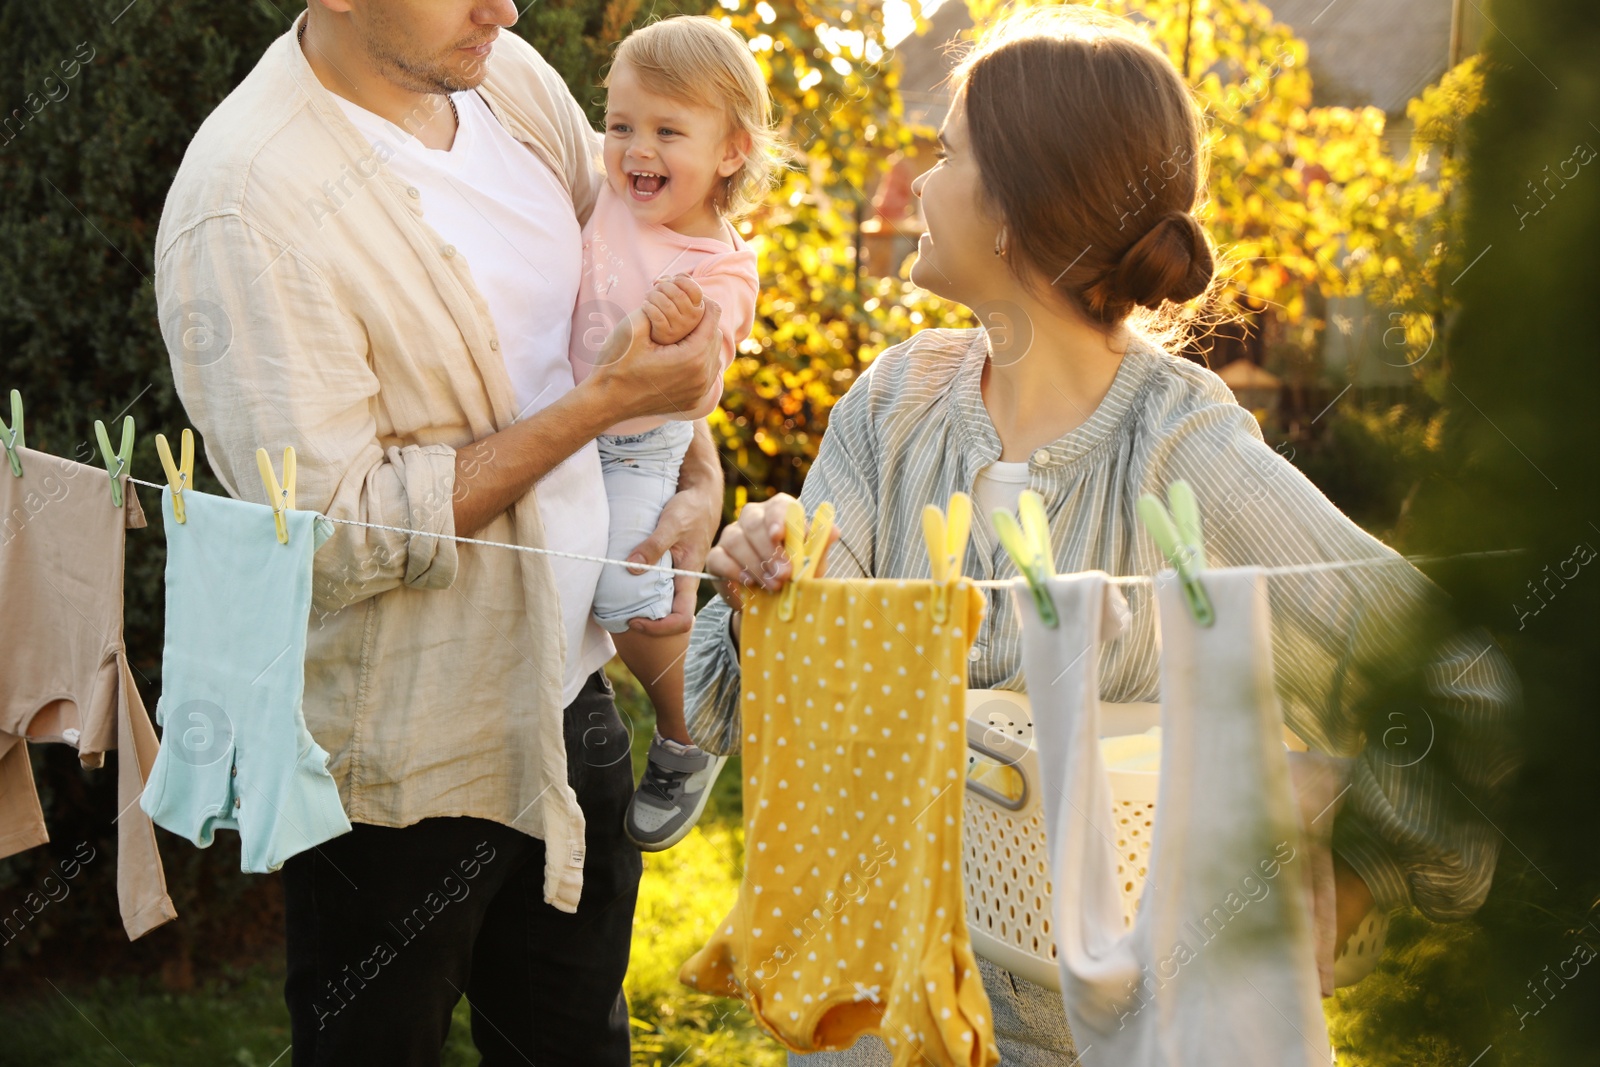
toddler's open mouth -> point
(646, 185)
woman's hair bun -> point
(1091, 151)
(1172, 261)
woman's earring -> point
(999, 242)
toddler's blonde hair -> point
(698, 60)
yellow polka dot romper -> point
(850, 917)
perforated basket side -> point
(1133, 811)
(1005, 862)
(1009, 891)
(1006, 872)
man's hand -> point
(638, 377)
(687, 524)
(674, 308)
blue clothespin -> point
(1178, 537)
(116, 462)
(1028, 546)
(11, 436)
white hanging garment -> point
(1219, 968)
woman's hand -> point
(1352, 901)
(751, 550)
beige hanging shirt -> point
(305, 302)
(67, 677)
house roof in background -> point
(1363, 52)
(925, 62)
(1243, 374)
(1375, 52)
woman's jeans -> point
(641, 474)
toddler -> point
(688, 146)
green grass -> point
(238, 1018)
(686, 891)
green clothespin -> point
(1178, 537)
(1028, 546)
(116, 462)
(11, 436)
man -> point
(370, 253)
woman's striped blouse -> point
(913, 429)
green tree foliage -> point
(1374, 460)
(99, 104)
(833, 83)
(1514, 470)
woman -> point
(1062, 203)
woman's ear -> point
(735, 150)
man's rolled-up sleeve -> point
(264, 356)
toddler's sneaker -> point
(676, 785)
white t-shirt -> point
(999, 485)
(502, 208)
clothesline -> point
(495, 544)
(985, 583)
(1303, 568)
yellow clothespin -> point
(1028, 546)
(179, 475)
(804, 551)
(281, 497)
(947, 547)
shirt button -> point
(235, 771)
(236, 802)
(1041, 456)
(494, 344)
(448, 251)
(413, 192)
(974, 654)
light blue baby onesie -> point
(235, 751)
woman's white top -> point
(999, 485)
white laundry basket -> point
(1006, 868)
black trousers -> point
(387, 928)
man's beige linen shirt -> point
(305, 302)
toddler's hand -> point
(674, 308)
